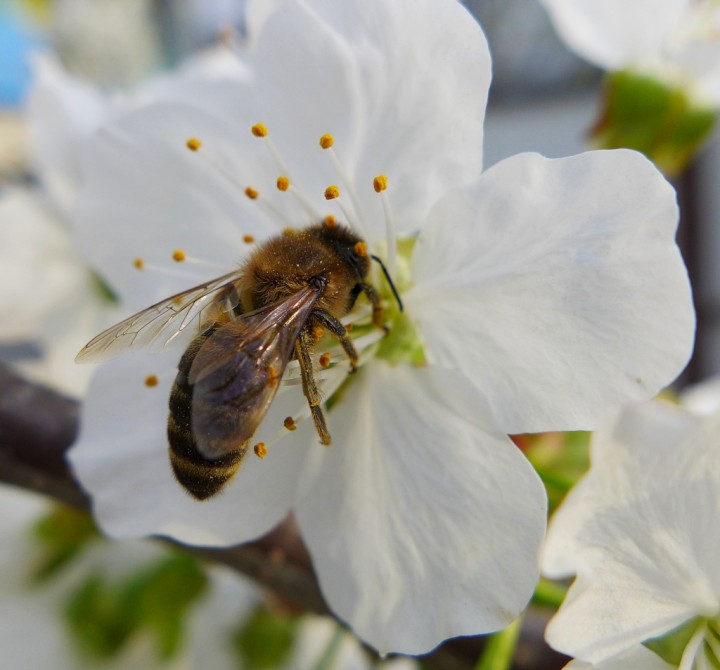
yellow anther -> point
(260, 450)
(330, 221)
(251, 193)
(324, 360)
(332, 192)
(289, 423)
(380, 183)
(193, 144)
(360, 249)
(179, 256)
(259, 130)
(139, 264)
(151, 380)
(283, 183)
(288, 231)
(327, 140)
(248, 239)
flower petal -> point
(621, 452)
(638, 658)
(557, 286)
(121, 459)
(615, 34)
(422, 520)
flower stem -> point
(549, 594)
(500, 649)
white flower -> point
(640, 534)
(673, 40)
(540, 294)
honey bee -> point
(249, 325)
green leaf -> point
(265, 639)
(63, 534)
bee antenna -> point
(389, 280)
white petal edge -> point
(557, 286)
(422, 520)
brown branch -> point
(38, 425)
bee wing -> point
(237, 371)
(156, 326)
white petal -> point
(402, 86)
(648, 553)
(147, 195)
(557, 286)
(422, 520)
(621, 452)
(121, 460)
(638, 658)
(616, 33)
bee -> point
(249, 325)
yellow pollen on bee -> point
(260, 450)
(193, 144)
(283, 183)
(179, 255)
(151, 380)
(139, 264)
(259, 130)
(248, 239)
(380, 183)
(324, 360)
(289, 423)
(332, 192)
(318, 332)
(327, 140)
(288, 231)
(330, 221)
(251, 193)
(360, 249)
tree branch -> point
(37, 427)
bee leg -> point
(310, 389)
(377, 308)
(337, 329)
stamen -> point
(289, 423)
(251, 193)
(380, 184)
(179, 256)
(151, 381)
(248, 239)
(260, 450)
(330, 221)
(326, 142)
(139, 264)
(193, 144)
(283, 183)
(332, 192)
(259, 130)
(324, 360)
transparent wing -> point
(158, 325)
(238, 368)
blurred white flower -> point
(539, 295)
(640, 534)
(48, 293)
(675, 41)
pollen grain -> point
(139, 264)
(151, 381)
(327, 140)
(283, 183)
(360, 249)
(324, 360)
(251, 193)
(289, 423)
(179, 256)
(193, 144)
(330, 221)
(380, 183)
(260, 450)
(248, 239)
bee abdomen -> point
(201, 477)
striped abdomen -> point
(201, 476)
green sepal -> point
(642, 113)
(670, 647)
